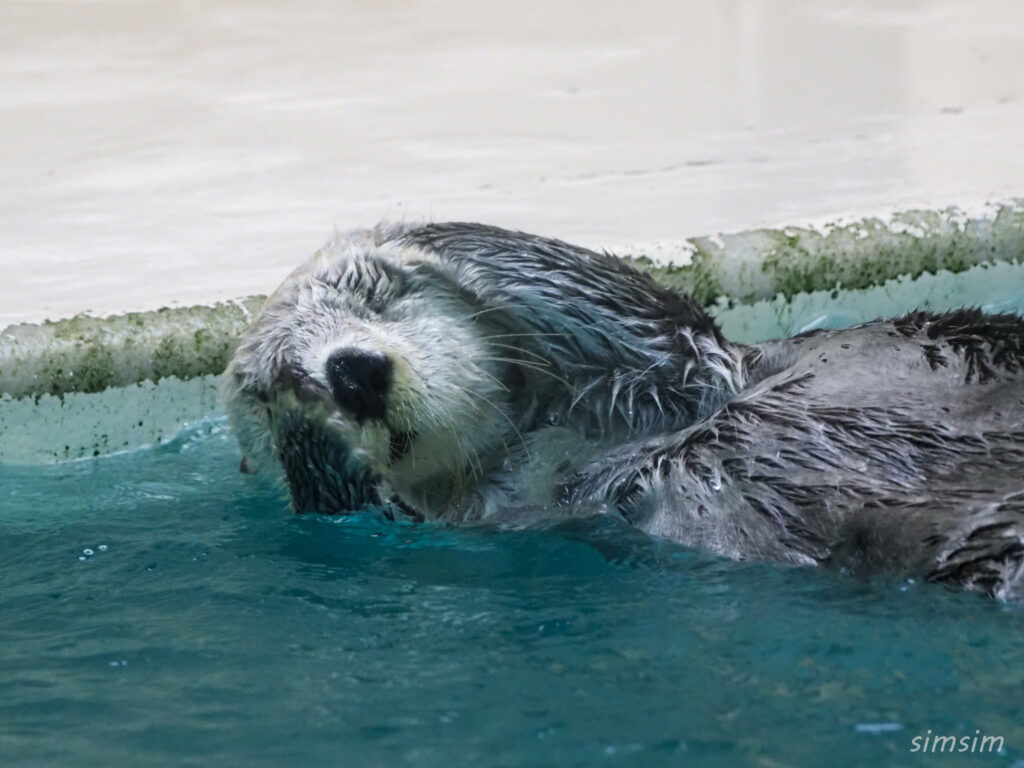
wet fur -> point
(539, 379)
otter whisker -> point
(470, 456)
(539, 358)
(496, 380)
(532, 367)
(499, 308)
(459, 467)
(533, 334)
(584, 391)
(466, 394)
(526, 447)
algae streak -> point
(765, 263)
(89, 354)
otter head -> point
(401, 366)
(369, 378)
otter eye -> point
(377, 300)
(386, 286)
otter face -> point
(439, 367)
(370, 377)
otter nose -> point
(360, 380)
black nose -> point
(360, 380)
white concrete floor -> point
(157, 152)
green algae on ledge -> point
(763, 264)
(88, 354)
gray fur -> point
(538, 378)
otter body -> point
(460, 373)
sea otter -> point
(460, 372)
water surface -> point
(159, 608)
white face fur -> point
(444, 401)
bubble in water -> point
(102, 547)
(88, 552)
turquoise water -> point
(160, 608)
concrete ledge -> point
(89, 355)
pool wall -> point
(86, 386)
